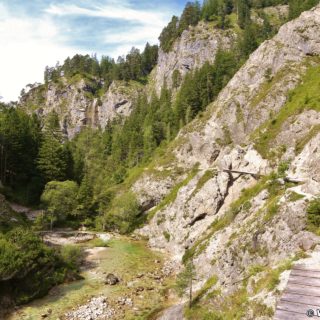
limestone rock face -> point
(228, 216)
(196, 46)
(152, 190)
(77, 105)
(117, 101)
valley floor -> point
(140, 294)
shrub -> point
(19, 250)
(124, 213)
(313, 211)
(72, 256)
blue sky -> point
(36, 33)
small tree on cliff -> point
(185, 280)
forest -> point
(40, 167)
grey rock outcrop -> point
(196, 46)
(77, 104)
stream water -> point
(131, 261)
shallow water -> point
(125, 258)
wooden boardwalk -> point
(301, 295)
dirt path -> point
(29, 212)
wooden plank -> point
(286, 315)
(295, 297)
(305, 273)
(295, 307)
(305, 281)
(303, 290)
(305, 268)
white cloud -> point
(27, 46)
(114, 11)
(148, 23)
(30, 43)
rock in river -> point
(111, 279)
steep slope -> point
(239, 229)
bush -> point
(20, 250)
(124, 214)
(60, 199)
(72, 256)
(28, 268)
(313, 211)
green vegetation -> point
(19, 143)
(123, 214)
(313, 211)
(53, 158)
(105, 163)
(167, 235)
(301, 143)
(225, 14)
(298, 6)
(8, 218)
(272, 209)
(135, 66)
(72, 256)
(28, 268)
(306, 96)
(184, 281)
(211, 282)
(236, 305)
(86, 180)
(272, 276)
(98, 243)
(233, 307)
(60, 200)
(126, 259)
(294, 196)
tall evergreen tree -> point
(53, 160)
(190, 16)
(243, 11)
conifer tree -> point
(243, 11)
(53, 157)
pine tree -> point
(149, 58)
(243, 11)
(169, 34)
(85, 197)
(53, 158)
(190, 16)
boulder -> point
(111, 279)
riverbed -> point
(143, 288)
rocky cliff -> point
(81, 101)
(243, 173)
(196, 46)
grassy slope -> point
(304, 97)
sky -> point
(37, 33)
